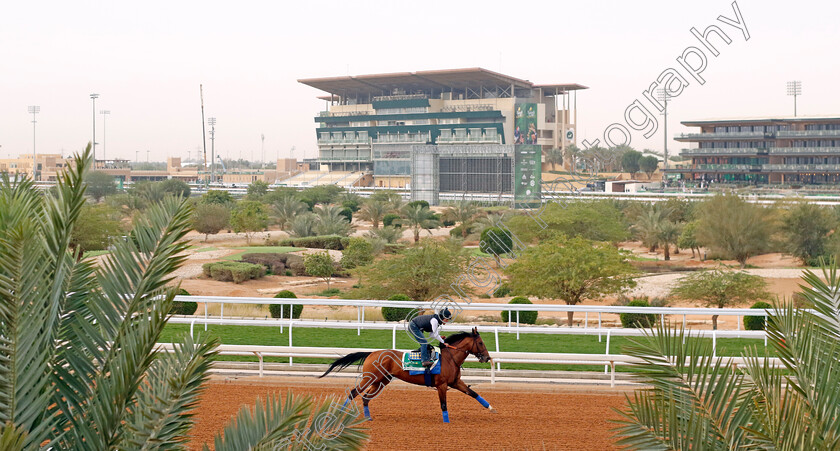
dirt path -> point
(530, 416)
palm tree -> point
(572, 155)
(286, 209)
(374, 211)
(669, 233)
(79, 367)
(418, 217)
(490, 220)
(554, 157)
(696, 400)
(303, 225)
(389, 234)
(331, 221)
(650, 220)
(463, 212)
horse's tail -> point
(344, 362)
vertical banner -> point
(525, 126)
(527, 175)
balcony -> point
(724, 152)
(805, 151)
(724, 136)
(727, 167)
(339, 139)
(802, 167)
(809, 134)
(407, 138)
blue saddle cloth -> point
(435, 370)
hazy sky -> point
(147, 59)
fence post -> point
(517, 324)
(359, 320)
(205, 316)
(496, 331)
(714, 343)
(281, 317)
(586, 320)
(260, 356)
(192, 325)
(599, 327)
(394, 338)
(609, 332)
(612, 373)
(222, 314)
(290, 341)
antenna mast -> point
(203, 137)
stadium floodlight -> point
(663, 95)
(33, 110)
(794, 88)
(104, 130)
(93, 97)
(211, 121)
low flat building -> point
(769, 150)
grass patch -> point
(204, 249)
(381, 339)
(89, 254)
(256, 249)
(329, 292)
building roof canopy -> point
(384, 84)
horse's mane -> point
(455, 338)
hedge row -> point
(397, 313)
(524, 316)
(276, 309)
(277, 264)
(237, 272)
(333, 242)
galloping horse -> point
(379, 367)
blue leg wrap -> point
(346, 401)
(445, 416)
(482, 401)
(367, 412)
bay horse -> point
(380, 367)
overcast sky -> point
(147, 59)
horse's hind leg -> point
(463, 387)
(374, 391)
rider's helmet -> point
(445, 314)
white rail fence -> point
(608, 360)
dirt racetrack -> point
(534, 417)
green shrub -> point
(273, 262)
(388, 220)
(638, 320)
(421, 203)
(230, 271)
(495, 241)
(333, 242)
(347, 212)
(274, 309)
(448, 223)
(756, 322)
(502, 291)
(524, 317)
(289, 272)
(397, 313)
(393, 248)
(183, 308)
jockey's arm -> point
(435, 333)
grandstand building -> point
(783, 150)
(463, 125)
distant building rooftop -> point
(765, 119)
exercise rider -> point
(432, 325)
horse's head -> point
(478, 349)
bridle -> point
(470, 351)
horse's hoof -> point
(368, 419)
(493, 410)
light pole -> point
(104, 114)
(33, 110)
(211, 121)
(136, 156)
(663, 96)
(794, 88)
(93, 97)
(262, 148)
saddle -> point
(415, 355)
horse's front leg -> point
(442, 395)
(463, 387)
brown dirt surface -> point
(533, 417)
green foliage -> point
(397, 313)
(524, 317)
(303, 225)
(175, 187)
(421, 272)
(359, 252)
(95, 228)
(257, 190)
(496, 241)
(388, 234)
(571, 269)
(210, 218)
(275, 263)
(99, 185)
(388, 220)
(421, 203)
(502, 291)
(248, 217)
(648, 164)
(322, 194)
(215, 196)
(688, 237)
(183, 308)
(806, 228)
(735, 228)
(418, 217)
(693, 400)
(332, 242)
(236, 272)
(347, 212)
(319, 264)
(286, 208)
(374, 211)
(351, 201)
(331, 221)
(592, 220)
(630, 162)
(463, 212)
(638, 320)
(278, 311)
(721, 288)
(756, 322)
